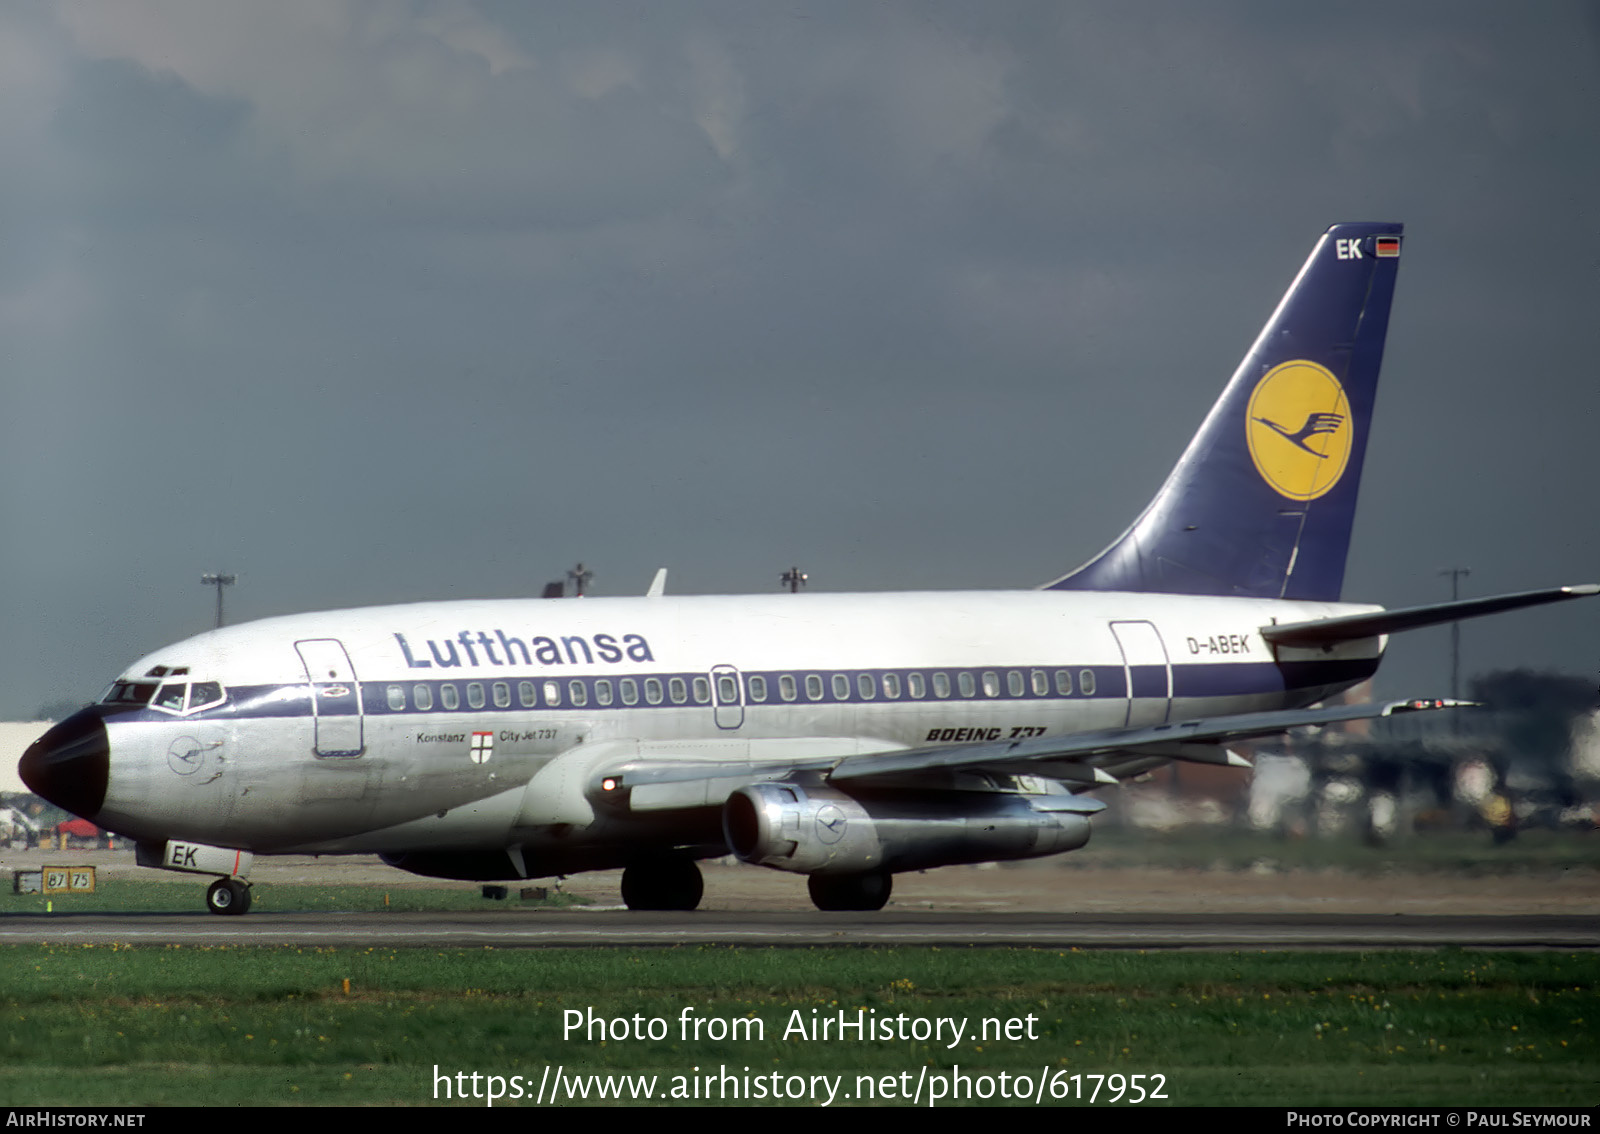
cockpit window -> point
(171, 696)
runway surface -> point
(513, 929)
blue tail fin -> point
(1262, 502)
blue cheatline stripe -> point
(250, 702)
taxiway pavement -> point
(514, 928)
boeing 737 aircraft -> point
(844, 737)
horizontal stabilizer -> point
(1330, 631)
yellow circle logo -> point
(1299, 429)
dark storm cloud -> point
(372, 303)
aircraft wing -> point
(646, 778)
(645, 775)
(1101, 757)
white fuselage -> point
(470, 724)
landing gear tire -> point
(228, 896)
(671, 882)
(850, 891)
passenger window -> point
(786, 687)
(1014, 683)
(1063, 683)
(991, 684)
(758, 689)
(397, 697)
(677, 690)
(814, 686)
(841, 687)
(702, 690)
(525, 694)
(423, 696)
(552, 693)
(602, 692)
(475, 694)
(578, 691)
(448, 697)
(1086, 682)
(171, 697)
(866, 687)
(967, 685)
(891, 686)
(502, 695)
(917, 685)
(652, 690)
(727, 690)
(941, 685)
(1041, 683)
(629, 688)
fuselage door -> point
(727, 696)
(1146, 671)
(335, 696)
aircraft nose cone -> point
(70, 764)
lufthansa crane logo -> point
(831, 823)
(1299, 429)
(186, 755)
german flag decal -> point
(1387, 246)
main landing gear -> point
(670, 881)
(869, 891)
(228, 896)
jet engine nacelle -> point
(824, 831)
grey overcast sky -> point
(377, 302)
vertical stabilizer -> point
(1262, 501)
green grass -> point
(143, 1026)
(121, 895)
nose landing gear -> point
(228, 896)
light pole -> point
(219, 581)
(794, 579)
(1455, 574)
(580, 576)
